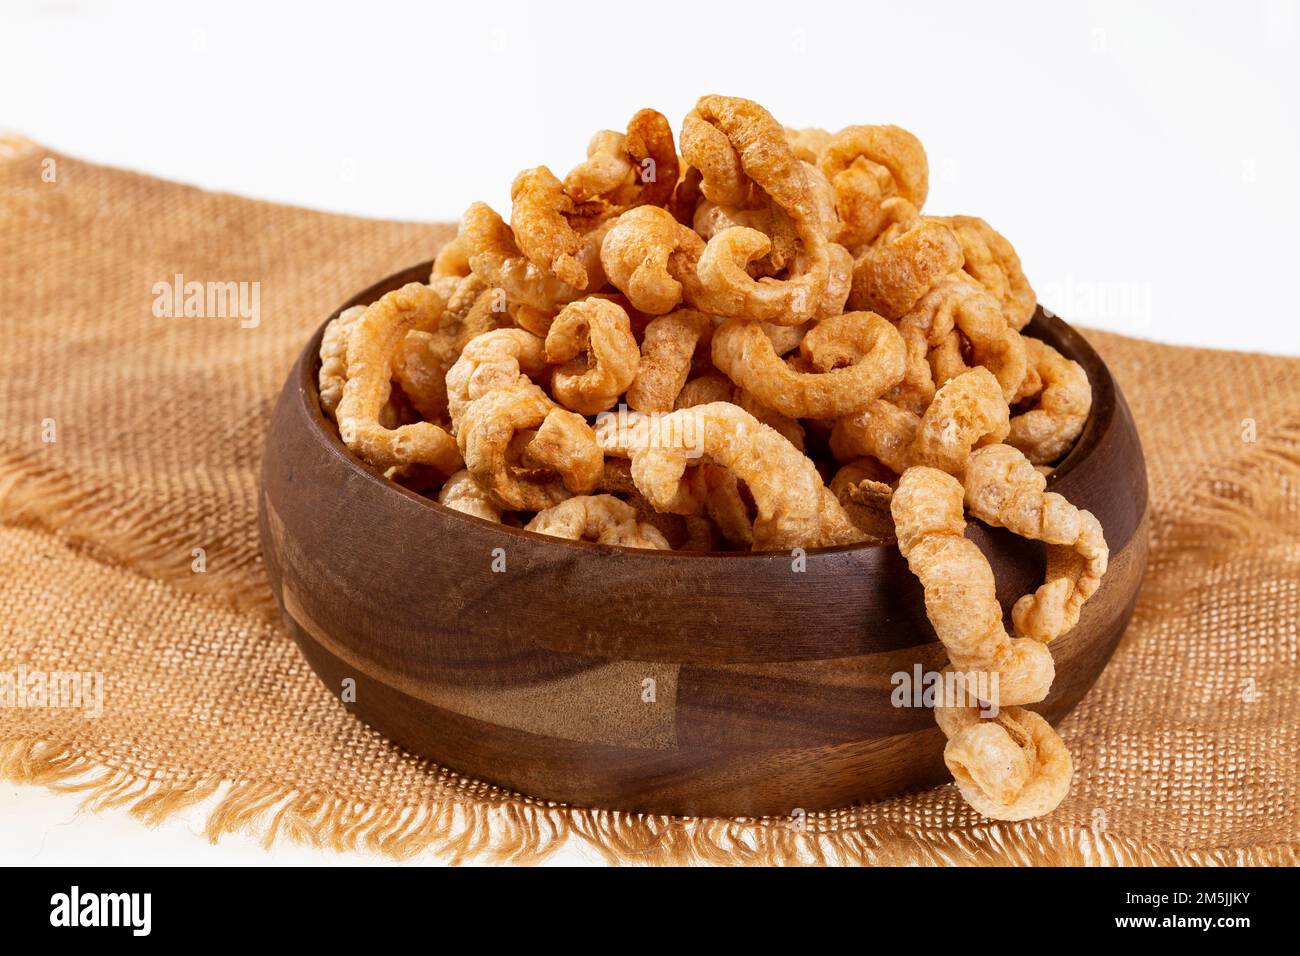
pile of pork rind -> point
(758, 342)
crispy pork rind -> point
(606, 171)
(808, 143)
(868, 166)
(496, 258)
(1010, 767)
(991, 261)
(947, 360)
(855, 358)
(426, 355)
(882, 430)
(958, 303)
(334, 357)
(709, 293)
(452, 261)
(1005, 490)
(488, 435)
(667, 348)
(600, 518)
(462, 492)
(713, 387)
(960, 595)
(492, 399)
(371, 347)
(591, 342)
(497, 359)
(783, 242)
(626, 170)
(745, 162)
(1063, 400)
(967, 413)
(648, 255)
(865, 487)
(539, 218)
(794, 508)
(566, 445)
(902, 264)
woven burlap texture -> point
(1186, 751)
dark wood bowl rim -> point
(1060, 335)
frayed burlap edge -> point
(497, 826)
(514, 829)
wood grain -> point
(663, 682)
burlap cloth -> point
(1187, 749)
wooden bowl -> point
(683, 683)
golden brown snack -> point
(657, 169)
(566, 445)
(334, 357)
(1004, 490)
(788, 427)
(649, 256)
(709, 493)
(992, 262)
(496, 259)
(539, 218)
(856, 357)
(902, 264)
(711, 219)
(719, 492)
(452, 261)
(463, 493)
(1010, 767)
(600, 518)
(705, 389)
(372, 344)
(591, 342)
(968, 412)
(869, 165)
(686, 197)
(947, 360)
(713, 387)
(487, 435)
(706, 149)
(882, 430)
(794, 508)
(498, 359)
(622, 171)
(425, 356)
(864, 488)
(839, 282)
(725, 287)
(745, 160)
(958, 302)
(1073, 575)
(667, 347)
(808, 143)
(606, 171)
(1047, 431)
(960, 596)
(784, 338)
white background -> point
(1141, 157)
